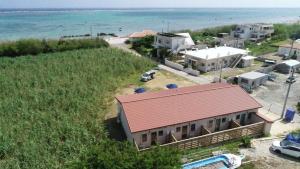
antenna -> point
(91, 29)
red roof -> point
(169, 107)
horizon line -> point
(150, 7)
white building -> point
(287, 50)
(224, 39)
(210, 59)
(247, 61)
(173, 42)
(253, 32)
(252, 80)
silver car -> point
(286, 147)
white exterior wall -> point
(212, 64)
(169, 42)
(178, 135)
(247, 31)
(124, 122)
(254, 83)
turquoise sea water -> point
(53, 23)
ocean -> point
(54, 23)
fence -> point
(174, 65)
(252, 130)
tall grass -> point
(36, 46)
(52, 105)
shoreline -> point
(121, 37)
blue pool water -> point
(53, 23)
(205, 162)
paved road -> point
(197, 79)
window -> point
(224, 120)
(212, 64)
(249, 115)
(193, 127)
(244, 81)
(178, 129)
(144, 137)
(238, 117)
(202, 64)
(210, 123)
(160, 133)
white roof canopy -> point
(188, 39)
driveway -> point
(197, 79)
(265, 158)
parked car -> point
(148, 76)
(286, 147)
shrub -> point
(36, 46)
(246, 141)
(116, 155)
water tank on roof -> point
(140, 90)
(289, 115)
(172, 86)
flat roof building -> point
(210, 59)
(173, 42)
(287, 66)
(252, 80)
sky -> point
(148, 3)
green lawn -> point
(52, 105)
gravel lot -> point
(272, 95)
(265, 158)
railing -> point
(236, 61)
(252, 130)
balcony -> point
(205, 137)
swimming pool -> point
(205, 162)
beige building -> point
(178, 114)
(211, 59)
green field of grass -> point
(52, 105)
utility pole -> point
(221, 71)
(292, 47)
(290, 81)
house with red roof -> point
(158, 117)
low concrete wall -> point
(192, 72)
(174, 65)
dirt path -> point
(265, 158)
